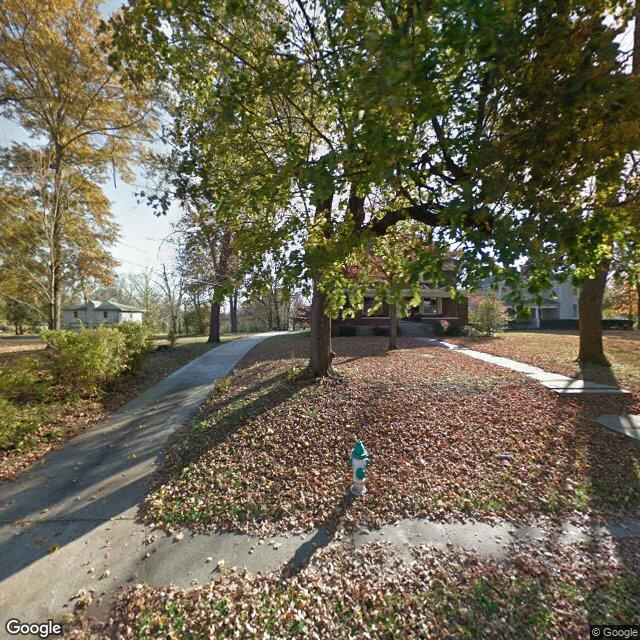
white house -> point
(560, 302)
(93, 313)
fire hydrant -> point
(359, 461)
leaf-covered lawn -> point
(59, 421)
(540, 590)
(557, 351)
(450, 437)
(12, 350)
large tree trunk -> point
(321, 354)
(233, 311)
(214, 325)
(590, 323)
(638, 306)
(55, 289)
(393, 326)
(277, 308)
(55, 306)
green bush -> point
(440, 328)
(487, 315)
(17, 426)
(455, 330)
(85, 361)
(347, 330)
(137, 344)
(607, 323)
(380, 331)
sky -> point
(142, 234)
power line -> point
(124, 244)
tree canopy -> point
(319, 125)
(82, 122)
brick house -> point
(437, 304)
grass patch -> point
(557, 351)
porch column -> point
(536, 317)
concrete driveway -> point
(69, 522)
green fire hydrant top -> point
(359, 452)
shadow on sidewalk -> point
(103, 472)
(322, 538)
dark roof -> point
(106, 305)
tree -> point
(205, 257)
(233, 310)
(18, 315)
(620, 299)
(271, 298)
(387, 265)
(82, 120)
(29, 231)
(171, 285)
(614, 219)
(21, 283)
(343, 119)
(487, 314)
(143, 292)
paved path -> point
(554, 381)
(70, 519)
(13, 340)
(627, 423)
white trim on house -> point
(560, 302)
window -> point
(104, 314)
(429, 306)
(75, 314)
(575, 310)
(575, 291)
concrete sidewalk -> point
(627, 424)
(554, 381)
(69, 522)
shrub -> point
(347, 330)
(380, 331)
(440, 328)
(86, 360)
(137, 343)
(515, 325)
(607, 323)
(17, 426)
(487, 315)
(456, 330)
